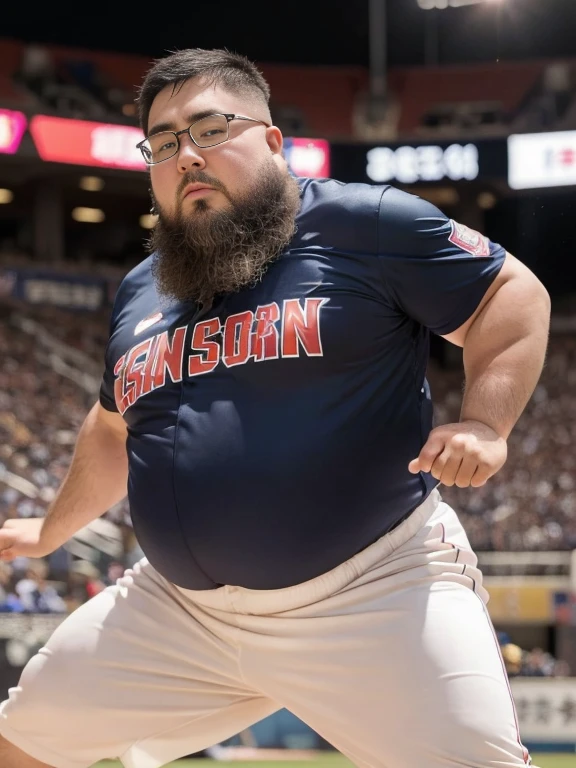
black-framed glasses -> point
(207, 132)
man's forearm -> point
(96, 480)
(504, 354)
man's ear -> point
(274, 139)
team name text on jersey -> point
(269, 333)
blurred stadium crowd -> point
(530, 663)
(531, 503)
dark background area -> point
(307, 32)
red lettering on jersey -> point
(246, 335)
(134, 369)
(265, 337)
(301, 325)
(150, 366)
(169, 357)
(237, 331)
(204, 363)
(119, 370)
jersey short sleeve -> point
(434, 269)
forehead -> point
(178, 107)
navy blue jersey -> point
(269, 435)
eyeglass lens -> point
(207, 132)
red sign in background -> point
(308, 157)
(60, 140)
(12, 126)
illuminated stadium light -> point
(6, 196)
(148, 221)
(429, 5)
(88, 215)
(92, 183)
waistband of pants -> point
(262, 602)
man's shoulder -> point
(354, 197)
(141, 273)
(361, 217)
(359, 196)
(133, 286)
(405, 209)
(137, 279)
(338, 215)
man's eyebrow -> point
(159, 127)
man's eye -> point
(211, 132)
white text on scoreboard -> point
(408, 165)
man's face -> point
(230, 168)
(221, 237)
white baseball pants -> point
(391, 657)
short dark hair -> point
(230, 70)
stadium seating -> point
(478, 99)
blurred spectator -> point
(534, 663)
(68, 87)
(36, 595)
(558, 92)
(512, 655)
(9, 600)
(537, 663)
(84, 581)
(115, 572)
(37, 69)
(561, 669)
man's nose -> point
(189, 155)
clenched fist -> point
(464, 454)
(21, 538)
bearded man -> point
(264, 403)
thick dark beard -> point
(218, 252)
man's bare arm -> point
(504, 349)
(96, 480)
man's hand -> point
(22, 538)
(464, 454)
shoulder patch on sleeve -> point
(469, 240)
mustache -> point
(199, 177)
